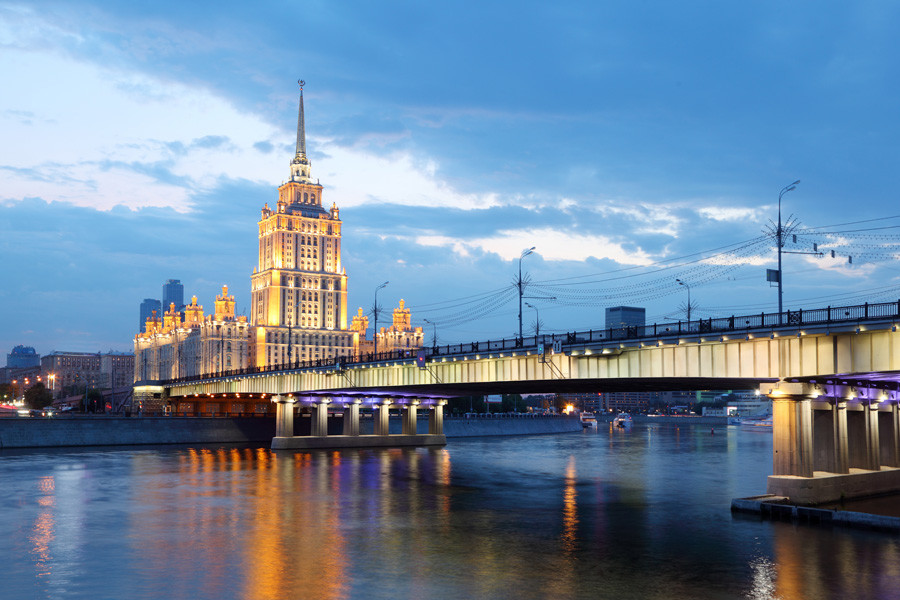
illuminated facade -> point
(299, 290)
(401, 335)
(195, 345)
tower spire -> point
(300, 164)
(301, 127)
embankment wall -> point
(123, 431)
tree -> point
(513, 403)
(7, 393)
(38, 396)
(93, 401)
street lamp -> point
(434, 336)
(779, 235)
(521, 285)
(680, 282)
(375, 310)
(537, 319)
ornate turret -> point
(224, 306)
(300, 164)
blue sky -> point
(141, 140)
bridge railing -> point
(722, 325)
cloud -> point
(552, 245)
(734, 214)
(167, 141)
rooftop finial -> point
(301, 128)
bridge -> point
(833, 374)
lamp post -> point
(537, 320)
(521, 285)
(434, 334)
(680, 282)
(779, 235)
(375, 311)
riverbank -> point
(778, 508)
(83, 430)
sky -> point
(632, 144)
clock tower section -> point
(299, 290)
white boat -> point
(588, 420)
(763, 424)
(623, 420)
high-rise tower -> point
(299, 290)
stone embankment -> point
(80, 430)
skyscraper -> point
(147, 308)
(173, 291)
(299, 291)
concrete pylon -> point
(410, 417)
(382, 420)
(436, 418)
(841, 456)
(319, 425)
(889, 435)
(351, 418)
(792, 439)
(284, 416)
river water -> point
(642, 513)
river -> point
(642, 513)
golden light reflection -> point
(570, 508)
(808, 564)
(43, 530)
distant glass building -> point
(147, 308)
(23, 357)
(172, 292)
(625, 316)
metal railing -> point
(859, 313)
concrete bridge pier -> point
(382, 420)
(351, 418)
(436, 418)
(284, 416)
(830, 435)
(862, 437)
(792, 438)
(833, 442)
(409, 417)
(889, 436)
(319, 424)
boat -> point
(622, 420)
(588, 420)
(762, 424)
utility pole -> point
(779, 238)
(680, 282)
(520, 283)
(375, 311)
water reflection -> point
(636, 515)
(42, 532)
(811, 563)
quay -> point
(84, 430)
(780, 508)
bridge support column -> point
(382, 420)
(319, 424)
(410, 417)
(351, 418)
(841, 449)
(792, 436)
(830, 436)
(862, 437)
(436, 418)
(889, 436)
(284, 416)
